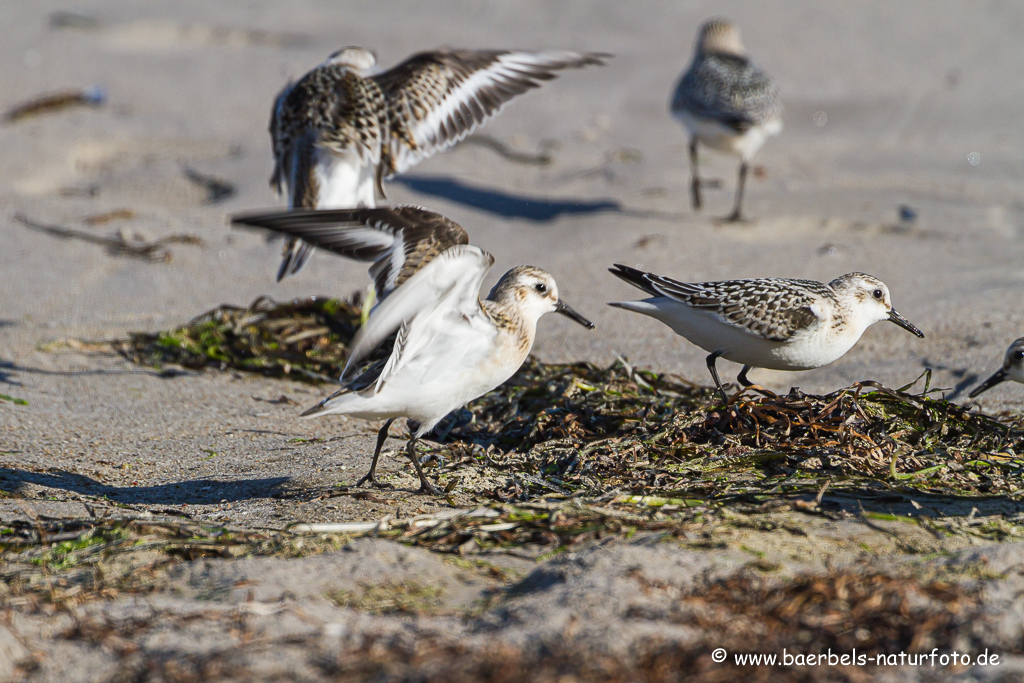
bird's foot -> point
(374, 482)
(427, 487)
(734, 218)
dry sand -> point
(905, 93)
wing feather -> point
(451, 281)
(399, 241)
(435, 99)
(773, 308)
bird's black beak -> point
(904, 323)
(571, 313)
(997, 378)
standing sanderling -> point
(1013, 369)
(451, 347)
(338, 131)
(772, 323)
(726, 103)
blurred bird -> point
(726, 103)
(338, 131)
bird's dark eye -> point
(1018, 355)
(877, 294)
(541, 287)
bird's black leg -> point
(742, 377)
(695, 198)
(425, 485)
(737, 211)
(714, 375)
(371, 476)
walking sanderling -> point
(726, 103)
(772, 323)
(1013, 369)
(451, 347)
(338, 131)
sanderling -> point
(726, 103)
(1013, 369)
(772, 323)
(338, 131)
(451, 347)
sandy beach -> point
(915, 104)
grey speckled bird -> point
(726, 103)
(338, 131)
(775, 323)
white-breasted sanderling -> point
(340, 130)
(451, 347)
(1012, 370)
(773, 323)
(726, 103)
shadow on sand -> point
(499, 203)
(194, 492)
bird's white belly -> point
(725, 139)
(813, 348)
(430, 395)
(343, 182)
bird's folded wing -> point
(398, 240)
(435, 99)
(771, 308)
(730, 90)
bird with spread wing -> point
(340, 129)
(450, 346)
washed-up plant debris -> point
(93, 96)
(65, 561)
(583, 430)
(217, 190)
(56, 567)
(124, 243)
(305, 339)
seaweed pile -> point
(305, 339)
(581, 430)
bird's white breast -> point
(344, 181)
(725, 139)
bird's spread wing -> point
(447, 286)
(772, 308)
(398, 240)
(434, 99)
(728, 89)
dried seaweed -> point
(93, 96)
(304, 339)
(123, 244)
(582, 430)
(51, 566)
(842, 613)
